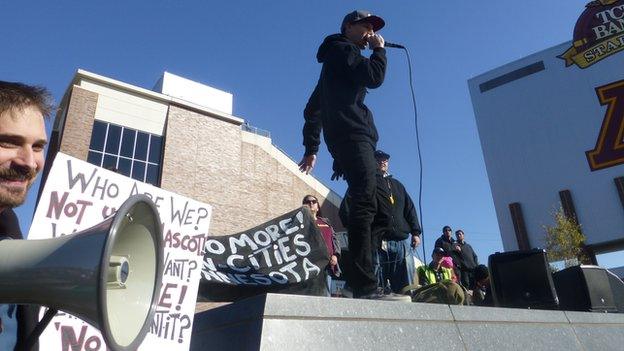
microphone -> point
(393, 45)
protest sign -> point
(78, 195)
(284, 255)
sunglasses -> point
(310, 201)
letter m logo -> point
(609, 150)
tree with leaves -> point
(565, 240)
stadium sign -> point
(598, 33)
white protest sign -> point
(78, 195)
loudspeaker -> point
(108, 275)
(617, 288)
(584, 288)
(522, 279)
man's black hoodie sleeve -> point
(313, 123)
(410, 215)
(368, 72)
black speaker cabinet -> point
(522, 279)
(584, 288)
(617, 288)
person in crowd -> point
(447, 262)
(446, 241)
(337, 107)
(434, 272)
(395, 253)
(482, 294)
(22, 141)
(449, 245)
(435, 283)
(467, 260)
(329, 236)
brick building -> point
(182, 137)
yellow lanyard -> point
(390, 188)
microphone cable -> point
(420, 163)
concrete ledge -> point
(290, 322)
(594, 318)
(296, 306)
(512, 315)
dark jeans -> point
(367, 218)
(467, 279)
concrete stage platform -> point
(290, 322)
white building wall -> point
(128, 110)
(534, 133)
(195, 92)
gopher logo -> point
(598, 33)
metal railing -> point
(255, 130)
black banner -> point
(284, 255)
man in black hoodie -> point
(337, 107)
(22, 141)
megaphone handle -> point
(36, 333)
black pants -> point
(367, 216)
(467, 278)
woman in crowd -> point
(329, 235)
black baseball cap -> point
(439, 250)
(364, 16)
(380, 155)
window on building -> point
(131, 152)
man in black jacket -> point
(395, 256)
(337, 107)
(467, 261)
(22, 141)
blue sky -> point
(264, 53)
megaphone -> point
(108, 275)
